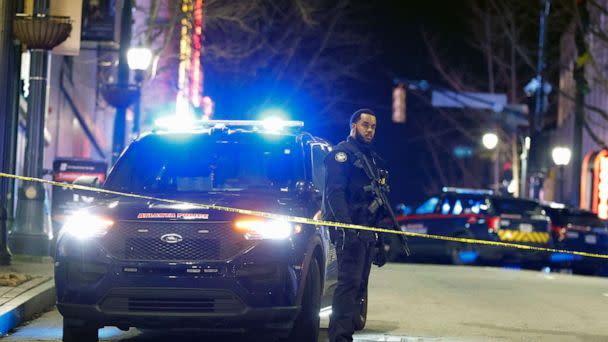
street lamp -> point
(139, 59)
(490, 140)
(561, 157)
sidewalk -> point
(26, 289)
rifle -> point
(379, 187)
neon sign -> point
(196, 74)
(594, 183)
(602, 188)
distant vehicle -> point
(578, 230)
(134, 262)
(478, 214)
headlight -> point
(83, 225)
(260, 229)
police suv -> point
(477, 214)
(580, 230)
(145, 263)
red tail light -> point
(493, 224)
(560, 232)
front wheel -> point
(306, 326)
(79, 332)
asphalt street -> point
(415, 302)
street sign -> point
(399, 104)
(514, 115)
(72, 9)
(451, 99)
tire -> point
(393, 248)
(361, 319)
(455, 248)
(306, 326)
(79, 332)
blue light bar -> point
(274, 125)
(468, 191)
(247, 123)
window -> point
(447, 205)
(319, 152)
(473, 205)
(457, 208)
(516, 206)
(428, 207)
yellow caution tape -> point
(304, 220)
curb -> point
(26, 305)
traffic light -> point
(399, 98)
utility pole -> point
(582, 88)
(536, 122)
(8, 115)
(118, 140)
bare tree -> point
(589, 38)
(309, 44)
(504, 34)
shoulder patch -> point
(341, 157)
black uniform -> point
(347, 199)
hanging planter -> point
(41, 31)
(119, 96)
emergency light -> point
(271, 125)
(468, 191)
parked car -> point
(476, 214)
(131, 262)
(580, 230)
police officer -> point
(348, 199)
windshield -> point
(516, 206)
(564, 217)
(204, 163)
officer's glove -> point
(379, 255)
(379, 252)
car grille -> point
(167, 300)
(201, 241)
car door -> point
(318, 152)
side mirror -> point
(88, 181)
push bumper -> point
(268, 319)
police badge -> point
(341, 157)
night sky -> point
(396, 28)
(399, 27)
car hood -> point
(125, 208)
